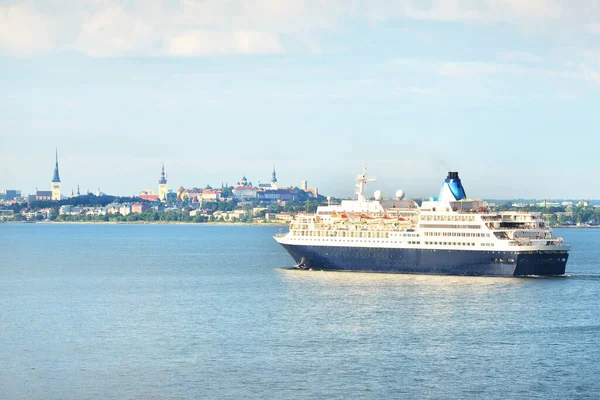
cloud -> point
(475, 69)
(589, 74)
(593, 28)
(201, 43)
(23, 31)
(519, 57)
(206, 27)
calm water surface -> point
(193, 311)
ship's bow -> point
(542, 263)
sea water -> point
(198, 311)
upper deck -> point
(448, 221)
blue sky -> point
(506, 92)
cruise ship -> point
(446, 235)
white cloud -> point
(590, 75)
(23, 31)
(203, 27)
(519, 57)
(593, 28)
(201, 43)
(111, 31)
(475, 69)
(535, 9)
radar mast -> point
(361, 181)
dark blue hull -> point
(437, 262)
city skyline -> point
(164, 182)
(504, 92)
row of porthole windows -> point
(451, 243)
(457, 234)
(446, 226)
(448, 218)
(365, 234)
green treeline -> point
(568, 215)
(163, 212)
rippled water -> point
(196, 311)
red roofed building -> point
(191, 195)
(149, 197)
(211, 195)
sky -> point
(507, 92)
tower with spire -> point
(274, 178)
(56, 181)
(162, 185)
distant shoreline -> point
(576, 227)
(199, 223)
(143, 223)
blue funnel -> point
(452, 182)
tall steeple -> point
(162, 180)
(274, 176)
(56, 182)
(162, 185)
(56, 178)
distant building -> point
(69, 210)
(211, 195)
(95, 211)
(6, 215)
(40, 195)
(138, 208)
(193, 195)
(148, 195)
(179, 192)
(273, 184)
(113, 208)
(10, 194)
(276, 195)
(162, 185)
(546, 203)
(125, 209)
(284, 216)
(244, 192)
(244, 182)
(56, 182)
(237, 214)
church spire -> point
(163, 179)
(274, 176)
(56, 178)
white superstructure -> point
(450, 222)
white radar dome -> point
(400, 194)
(378, 195)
